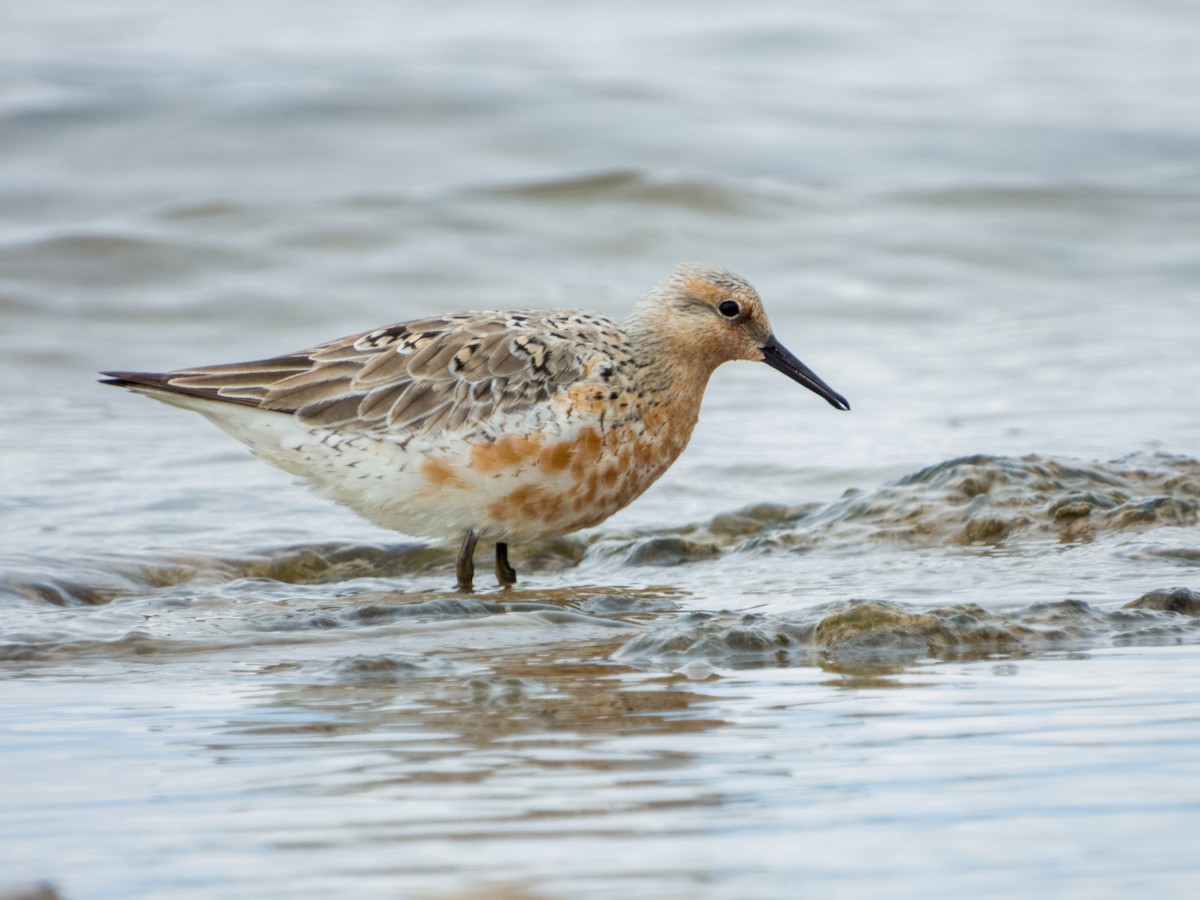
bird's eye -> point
(729, 309)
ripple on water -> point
(979, 500)
(982, 501)
(113, 260)
(634, 187)
(387, 669)
(883, 631)
(997, 499)
(142, 604)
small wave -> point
(996, 499)
(984, 501)
(56, 591)
(388, 669)
(49, 648)
(1175, 600)
(116, 260)
(632, 186)
(1083, 198)
(884, 631)
(374, 609)
(98, 581)
(976, 501)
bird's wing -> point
(437, 374)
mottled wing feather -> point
(443, 373)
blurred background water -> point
(879, 653)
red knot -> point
(506, 426)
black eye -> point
(729, 309)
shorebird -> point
(505, 426)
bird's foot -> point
(464, 566)
(505, 573)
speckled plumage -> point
(510, 426)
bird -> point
(510, 426)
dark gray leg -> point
(505, 574)
(464, 566)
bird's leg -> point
(505, 574)
(464, 566)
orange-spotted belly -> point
(526, 487)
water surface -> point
(943, 644)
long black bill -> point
(779, 357)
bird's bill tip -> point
(781, 359)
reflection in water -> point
(487, 700)
(478, 748)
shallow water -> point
(946, 643)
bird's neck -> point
(671, 364)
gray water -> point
(946, 644)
